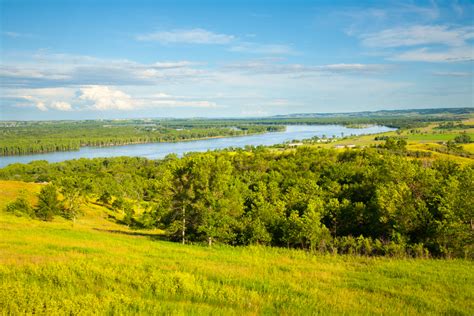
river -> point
(160, 150)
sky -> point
(136, 59)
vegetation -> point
(453, 125)
(21, 206)
(463, 139)
(98, 267)
(428, 143)
(18, 138)
(370, 202)
(281, 230)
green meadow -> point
(95, 266)
(435, 137)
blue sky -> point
(120, 59)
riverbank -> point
(160, 150)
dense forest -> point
(18, 138)
(372, 201)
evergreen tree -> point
(48, 203)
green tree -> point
(464, 138)
(316, 233)
(72, 191)
(105, 197)
(48, 203)
(219, 201)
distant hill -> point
(382, 113)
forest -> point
(371, 201)
(18, 138)
(30, 137)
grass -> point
(9, 190)
(435, 137)
(98, 267)
(423, 139)
(469, 148)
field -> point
(426, 139)
(97, 267)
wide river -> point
(160, 150)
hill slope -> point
(96, 266)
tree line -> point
(43, 137)
(369, 201)
(22, 137)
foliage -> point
(463, 138)
(48, 203)
(18, 138)
(306, 198)
(20, 206)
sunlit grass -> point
(429, 147)
(435, 136)
(97, 267)
(425, 139)
(9, 190)
(469, 148)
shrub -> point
(20, 207)
(463, 139)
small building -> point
(344, 146)
(295, 144)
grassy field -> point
(423, 139)
(98, 267)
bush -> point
(463, 139)
(20, 207)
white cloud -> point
(429, 12)
(61, 106)
(266, 49)
(20, 73)
(457, 54)
(172, 64)
(182, 103)
(201, 36)
(166, 100)
(362, 19)
(42, 100)
(106, 98)
(452, 73)
(190, 36)
(110, 98)
(44, 69)
(366, 68)
(263, 67)
(162, 95)
(101, 98)
(12, 34)
(419, 35)
(441, 43)
(41, 106)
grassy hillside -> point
(9, 190)
(427, 139)
(96, 266)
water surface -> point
(160, 150)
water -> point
(160, 150)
